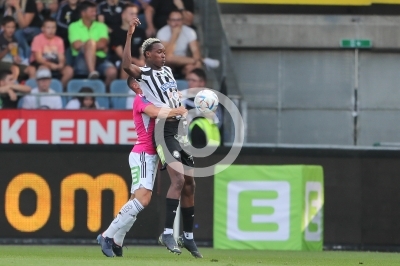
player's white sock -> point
(125, 215)
(121, 233)
(168, 231)
(188, 235)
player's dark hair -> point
(200, 73)
(129, 5)
(7, 19)
(130, 80)
(4, 74)
(83, 6)
(49, 19)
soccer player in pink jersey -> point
(143, 161)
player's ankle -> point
(188, 235)
(168, 231)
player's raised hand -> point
(132, 25)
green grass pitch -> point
(158, 256)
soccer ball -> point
(206, 101)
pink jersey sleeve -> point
(140, 104)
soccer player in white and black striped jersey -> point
(159, 87)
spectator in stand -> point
(203, 128)
(157, 13)
(9, 51)
(109, 12)
(47, 8)
(48, 50)
(43, 79)
(118, 37)
(197, 80)
(8, 88)
(28, 20)
(67, 13)
(89, 43)
(83, 102)
(179, 41)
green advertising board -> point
(269, 207)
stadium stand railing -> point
(215, 45)
(98, 87)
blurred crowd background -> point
(50, 46)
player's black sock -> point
(171, 206)
(188, 218)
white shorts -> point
(143, 170)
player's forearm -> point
(174, 112)
(126, 54)
(127, 66)
(161, 113)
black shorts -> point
(172, 148)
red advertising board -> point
(67, 127)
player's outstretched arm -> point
(129, 68)
(157, 112)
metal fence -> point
(215, 45)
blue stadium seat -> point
(98, 86)
(55, 84)
(119, 86)
(182, 84)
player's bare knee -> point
(178, 182)
(189, 189)
(192, 187)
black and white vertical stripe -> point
(143, 165)
(152, 82)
